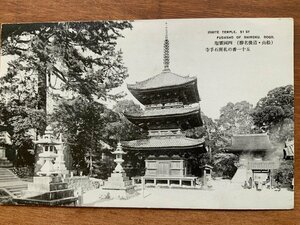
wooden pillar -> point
(271, 178)
(180, 182)
(154, 181)
(143, 186)
(168, 182)
(204, 178)
(253, 183)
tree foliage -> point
(73, 59)
(285, 173)
(83, 124)
(236, 118)
(224, 164)
(81, 57)
(86, 125)
(275, 113)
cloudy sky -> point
(222, 76)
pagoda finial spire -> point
(166, 51)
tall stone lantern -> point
(118, 184)
(119, 159)
(49, 152)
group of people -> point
(259, 184)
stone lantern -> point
(48, 188)
(119, 159)
(206, 178)
(49, 152)
(118, 184)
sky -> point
(222, 76)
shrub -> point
(285, 173)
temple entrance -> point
(163, 169)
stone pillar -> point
(2, 153)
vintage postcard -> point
(179, 113)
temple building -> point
(256, 164)
(171, 106)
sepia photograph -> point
(176, 113)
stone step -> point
(16, 190)
(12, 185)
(6, 171)
(7, 175)
(11, 182)
(2, 180)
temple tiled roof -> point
(164, 79)
(251, 142)
(164, 142)
(165, 112)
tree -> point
(81, 56)
(284, 175)
(70, 59)
(205, 132)
(216, 143)
(83, 124)
(275, 113)
(86, 124)
(224, 164)
(19, 116)
(236, 118)
(126, 130)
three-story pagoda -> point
(171, 106)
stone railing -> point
(83, 182)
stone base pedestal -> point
(118, 186)
(47, 190)
(39, 185)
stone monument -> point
(4, 141)
(48, 188)
(118, 184)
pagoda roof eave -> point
(169, 112)
(164, 143)
(134, 87)
(163, 148)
